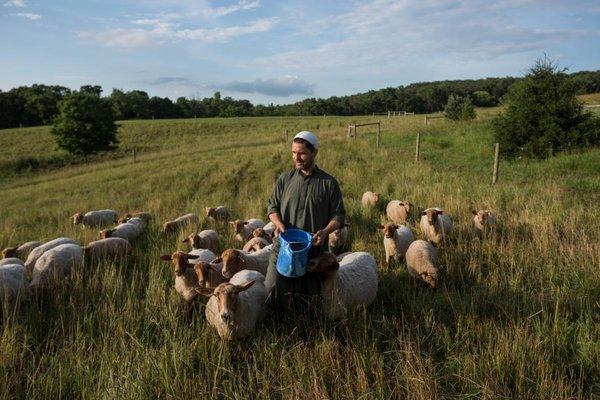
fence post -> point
(496, 162)
(349, 131)
(286, 135)
(388, 114)
(426, 120)
(133, 154)
(418, 147)
(378, 132)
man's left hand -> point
(319, 238)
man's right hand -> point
(279, 228)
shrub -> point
(543, 115)
(481, 98)
(459, 108)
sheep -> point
(255, 244)
(420, 261)
(235, 260)
(398, 211)
(484, 222)
(209, 274)
(235, 307)
(243, 229)
(109, 248)
(348, 283)
(186, 279)
(11, 260)
(128, 231)
(338, 238)
(271, 230)
(206, 239)
(435, 224)
(178, 223)
(12, 285)
(21, 251)
(55, 264)
(41, 249)
(396, 239)
(370, 199)
(144, 216)
(220, 213)
(261, 233)
(95, 219)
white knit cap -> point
(309, 137)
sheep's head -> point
(430, 277)
(195, 241)
(238, 225)
(259, 233)
(432, 215)
(106, 233)
(202, 270)
(77, 218)
(227, 296)
(388, 229)
(209, 211)
(9, 252)
(338, 232)
(324, 265)
(406, 205)
(168, 227)
(376, 196)
(232, 262)
(481, 216)
(124, 219)
(180, 261)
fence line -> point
(352, 132)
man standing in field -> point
(306, 198)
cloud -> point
(15, 3)
(29, 16)
(281, 87)
(157, 31)
(166, 80)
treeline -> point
(38, 104)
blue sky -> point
(282, 51)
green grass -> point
(515, 317)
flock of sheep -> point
(234, 281)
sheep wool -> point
(435, 224)
(421, 257)
(398, 211)
(12, 284)
(38, 251)
(96, 219)
(55, 264)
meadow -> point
(516, 316)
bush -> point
(85, 125)
(543, 115)
(459, 108)
(481, 98)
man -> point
(304, 198)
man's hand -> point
(279, 228)
(319, 237)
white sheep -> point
(206, 239)
(370, 199)
(220, 213)
(41, 249)
(396, 239)
(11, 260)
(209, 274)
(243, 229)
(337, 239)
(21, 251)
(484, 222)
(128, 231)
(421, 258)
(261, 233)
(436, 225)
(144, 216)
(255, 244)
(398, 211)
(270, 229)
(55, 264)
(109, 248)
(348, 283)
(179, 223)
(235, 260)
(186, 280)
(235, 307)
(12, 285)
(95, 219)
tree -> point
(85, 125)
(482, 98)
(91, 89)
(459, 108)
(543, 115)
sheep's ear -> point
(474, 212)
(185, 240)
(395, 226)
(245, 286)
(440, 212)
(204, 291)
(217, 260)
(165, 257)
(423, 213)
(191, 256)
(408, 203)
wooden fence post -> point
(286, 136)
(418, 147)
(133, 154)
(378, 132)
(496, 162)
(426, 120)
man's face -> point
(303, 157)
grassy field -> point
(515, 317)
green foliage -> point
(85, 125)
(481, 98)
(543, 115)
(459, 108)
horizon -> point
(280, 53)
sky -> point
(284, 51)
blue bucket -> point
(293, 252)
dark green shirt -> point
(307, 203)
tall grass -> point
(517, 316)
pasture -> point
(517, 316)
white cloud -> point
(282, 87)
(29, 16)
(224, 34)
(15, 3)
(124, 38)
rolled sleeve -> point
(336, 204)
